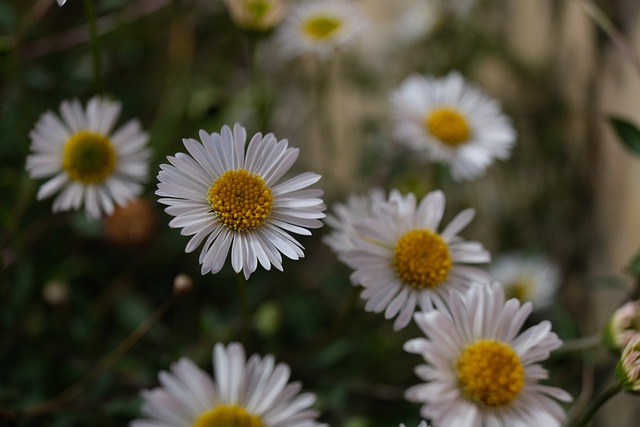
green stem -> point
(95, 45)
(596, 405)
(580, 344)
(246, 310)
(321, 91)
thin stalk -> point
(596, 405)
(95, 45)
(246, 309)
(580, 344)
(109, 360)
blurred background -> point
(73, 290)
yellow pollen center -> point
(321, 27)
(520, 289)
(490, 373)
(448, 125)
(422, 259)
(241, 200)
(88, 157)
(227, 416)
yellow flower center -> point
(241, 200)
(321, 27)
(422, 259)
(490, 373)
(520, 289)
(258, 8)
(88, 157)
(448, 125)
(227, 416)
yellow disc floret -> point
(88, 157)
(228, 416)
(422, 259)
(321, 27)
(241, 200)
(490, 373)
(448, 125)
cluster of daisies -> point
(228, 192)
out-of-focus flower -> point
(231, 199)
(449, 121)
(90, 164)
(628, 368)
(182, 283)
(256, 15)
(624, 325)
(132, 224)
(320, 27)
(479, 371)
(403, 261)
(357, 208)
(56, 293)
(251, 393)
(61, 2)
(527, 277)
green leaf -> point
(628, 133)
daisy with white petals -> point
(357, 208)
(403, 261)
(320, 27)
(228, 196)
(88, 163)
(452, 122)
(245, 393)
(480, 372)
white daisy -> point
(89, 164)
(357, 208)
(231, 199)
(452, 122)
(403, 261)
(320, 27)
(527, 277)
(245, 393)
(479, 371)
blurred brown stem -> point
(109, 360)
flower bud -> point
(624, 324)
(628, 369)
(182, 283)
(256, 15)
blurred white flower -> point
(250, 393)
(319, 27)
(527, 277)
(403, 261)
(357, 208)
(623, 325)
(231, 200)
(452, 122)
(61, 2)
(628, 368)
(90, 164)
(479, 371)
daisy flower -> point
(479, 371)
(88, 163)
(527, 277)
(345, 215)
(320, 27)
(247, 393)
(452, 122)
(403, 261)
(230, 199)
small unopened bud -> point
(182, 283)
(55, 293)
(628, 369)
(256, 15)
(624, 324)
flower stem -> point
(580, 344)
(246, 310)
(95, 45)
(591, 410)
